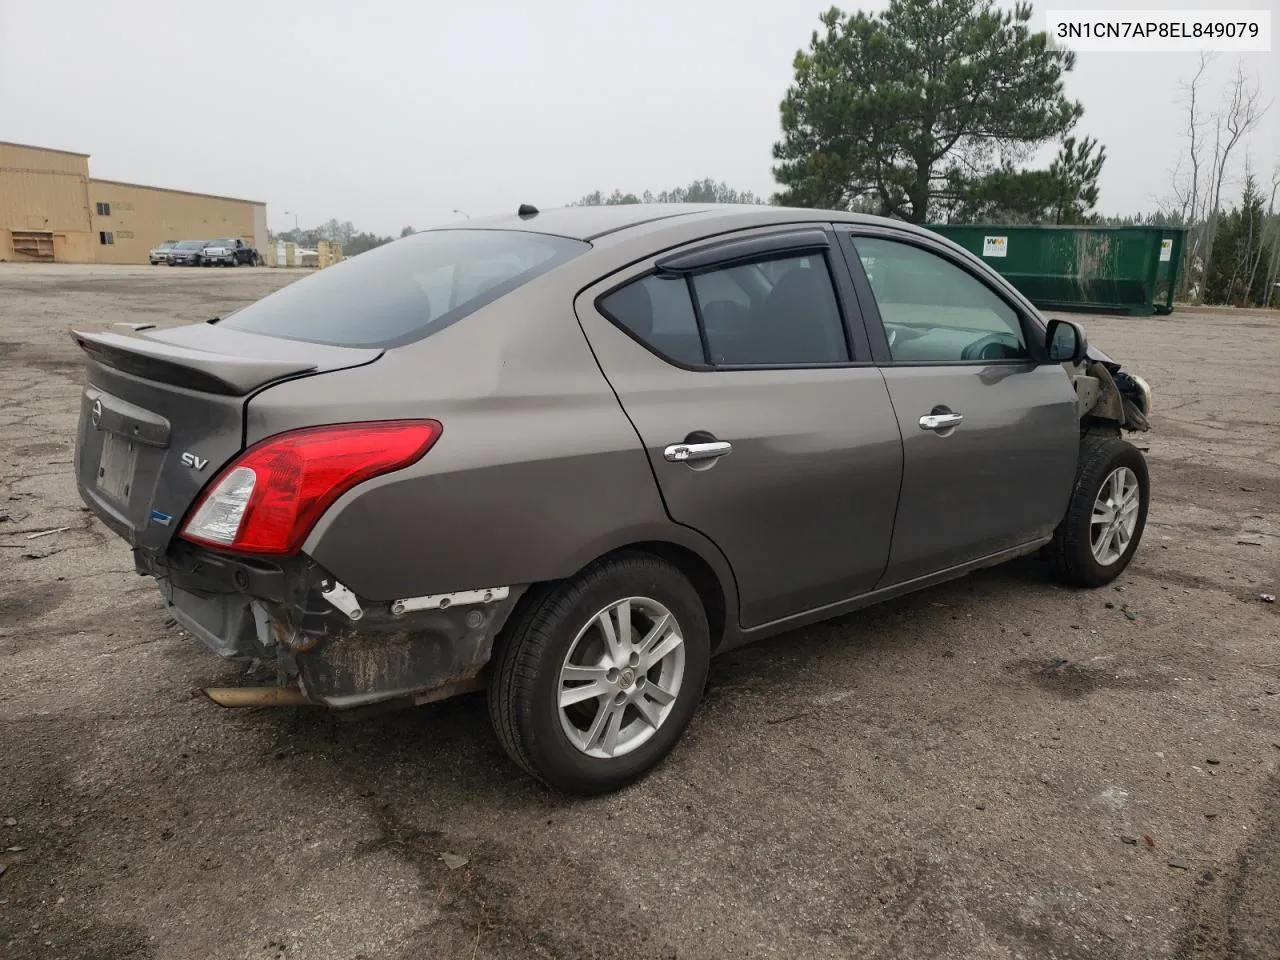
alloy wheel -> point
(1115, 516)
(621, 677)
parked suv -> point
(160, 253)
(568, 456)
(186, 253)
(228, 252)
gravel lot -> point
(997, 768)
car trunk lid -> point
(163, 410)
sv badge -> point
(194, 462)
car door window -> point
(934, 311)
(780, 312)
(793, 319)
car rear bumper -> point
(248, 609)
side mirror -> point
(1065, 342)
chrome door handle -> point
(689, 452)
(940, 421)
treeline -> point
(699, 191)
(342, 232)
(1232, 253)
(1244, 267)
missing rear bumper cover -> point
(343, 650)
(420, 655)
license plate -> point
(115, 469)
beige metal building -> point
(51, 209)
(44, 205)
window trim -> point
(1033, 330)
(742, 251)
(724, 255)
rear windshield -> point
(405, 290)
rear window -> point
(405, 290)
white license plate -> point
(115, 469)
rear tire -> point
(1106, 515)
(572, 638)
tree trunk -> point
(1193, 132)
(1243, 114)
(1271, 238)
(1252, 278)
(1272, 275)
(918, 194)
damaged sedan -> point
(566, 457)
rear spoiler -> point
(182, 367)
(213, 359)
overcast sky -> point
(395, 112)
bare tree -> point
(1243, 112)
(1188, 194)
(1186, 188)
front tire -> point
(595, 683)
(1106, 516)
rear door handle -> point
(940, 421)
(689, 452)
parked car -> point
(229, 252)
(160, 252)
(569, 456)
(186, 253)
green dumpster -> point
(1127, 269)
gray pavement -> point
(996, 768)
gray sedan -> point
(569, 456)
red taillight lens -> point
(268, 499)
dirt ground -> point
(998, 768)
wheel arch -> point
(698, 559)
(699, 573)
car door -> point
(990, 431)
(769, 430)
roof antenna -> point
(526, 211)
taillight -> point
(268, 499)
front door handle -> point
(940, 421)
(689, 452)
